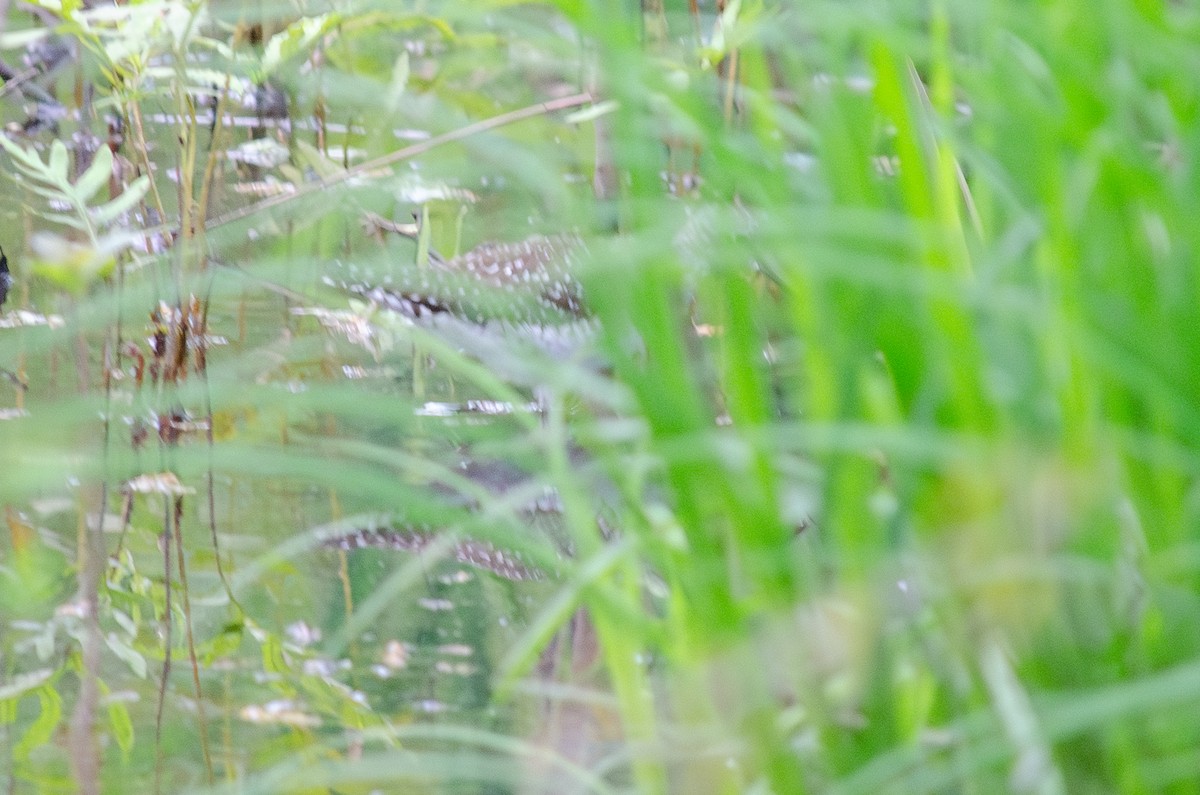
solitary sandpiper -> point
(523, 292)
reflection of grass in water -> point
(957, 340)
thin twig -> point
(214, 152)
(159, 756)
(186, 603)
(135, 116)
(85, 753)
(210, 480)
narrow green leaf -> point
(42, 729)
(273, 658)
(399, 82)
(122, 725)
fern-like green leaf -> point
(109, 211)
(56, 167)
(25, 159)
(66, 219)
(52, 193)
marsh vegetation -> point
(593, 397)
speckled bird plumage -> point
(525, 290)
